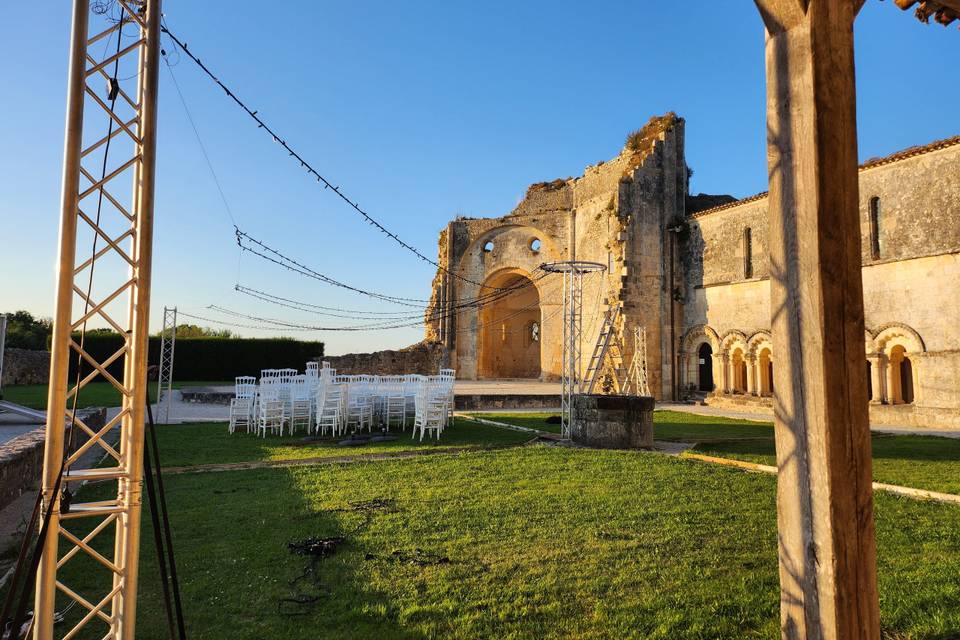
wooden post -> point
(827, 542)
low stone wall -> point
(500, 401)
(891, 415)
(425, 358)
(21, 459)
(613, 422)
(24, 366)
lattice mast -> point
(571, 380)
(119, 298)
(168, 344)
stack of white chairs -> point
(329, 411)
(393, 401)
(321, 401)
(243, 404)
(271, 409)
(359, 402)
(301, 403)
(447, 378)
(431, 408)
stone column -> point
(892, 377)
(752, 375)
(720, 372)
(877, 363)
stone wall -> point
(613, 422)
(25, 366)
(21, 459)
(425, 358)
(615, 214)
(911, 288)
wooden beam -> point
(827, 542)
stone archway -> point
(509, 330)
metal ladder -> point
(636, 380)
(607, 351)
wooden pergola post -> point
(827, 546)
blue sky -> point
(420, 111)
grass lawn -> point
(532, 420)
(668, 425)
(533, 542)
(95, 394)
(922, 462)
(209, 443)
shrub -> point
(210, 358)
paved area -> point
(12, 426)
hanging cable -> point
(306, 166)
(262, 250)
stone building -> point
(694, 272)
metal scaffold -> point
(168, 344)
(572, 381)
(107, 201)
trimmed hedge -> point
(210, 358)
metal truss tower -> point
(168, 343)
(107, 202)
(571, 378)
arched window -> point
(875, 228)
(747, 253)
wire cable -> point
(261, 124)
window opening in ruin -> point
(747, 253)
(875, 228)
(535, 332)
(535, 245)
(488, 247)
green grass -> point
(209, 443)
(542, 542)
(530, 420)
(668, 425)
(95, 394)
(922, 462)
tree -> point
(194, 331)
(26, 332)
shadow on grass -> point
(231, 534)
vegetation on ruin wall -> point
(640, 143)
(211, 358)
(534, 542)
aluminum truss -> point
(572, 382)
(107, 201)
(168, 343)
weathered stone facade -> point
(910, 239)
(501, 314)
(425, 358)
(25, 366)
(695, 272)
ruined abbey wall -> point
(615, 214)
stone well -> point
(613, 422)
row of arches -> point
(739, 364)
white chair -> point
(430, 410)
(271, 416)
(359, 404)
(241, 414)
(329, 409)
(393, 402)
(301, 404)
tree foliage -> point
(26, 332)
